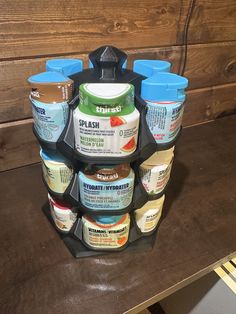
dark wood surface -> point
(38, 274)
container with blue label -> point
(50, 93)
(105, 187)
(106, 232)
(149, 68)
(164, 94)
(65, 66)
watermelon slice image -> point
(130, 146)
(116, 121)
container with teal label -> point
(49, 96)
(103, 232)
(49, 121)
(164, 94)
(106, 122)
(106, 187)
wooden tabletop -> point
(39, 275)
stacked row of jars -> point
(106, 124)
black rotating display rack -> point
(107, 68)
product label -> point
(106, 236)
(164, 119)
(63, 218)
(57, 175)
(149, 221)
(104, 190)
(52, 92)
(49, 120)
(149, 215)
(106, 136)
(155, 178)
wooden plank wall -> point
(34, 31)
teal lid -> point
(107, 220)
(48, 77)
(151, 67)
(65, 66)
(123, 66)
(164, 87)
(52, 156)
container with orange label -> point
(106, 122)
(106, 232)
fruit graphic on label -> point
(122, 241)
(116, 121)
(129, 146)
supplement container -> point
(62, 214)
(49, 97)
(164, 94)
(109, 232)
(148, 216)
(151, 67)
(106, 121)
(106, 187)
(57, 171)
(155, 171)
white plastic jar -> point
(62, 214)
(155, 171)
(148, 216)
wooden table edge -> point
(158, 297)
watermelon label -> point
(106, 121)
(106, 136)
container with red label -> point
(62, 213)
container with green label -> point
(106, 121)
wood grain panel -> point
(18, 146)
(54, 28)
(201, 70)
(211, 103)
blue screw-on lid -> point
(66, 66)
(48, 77)
(151, 67)
(123, 66)
(107, 219)
(164, 87)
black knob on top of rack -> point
(107, 62)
